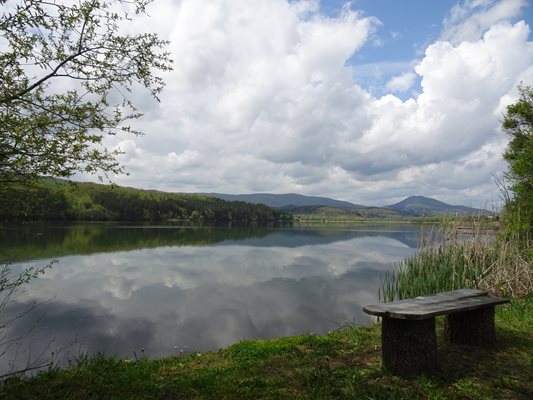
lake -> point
(155, 290)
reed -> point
(449, 259)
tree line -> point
(60, 200)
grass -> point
(447, 260)
(342, 365)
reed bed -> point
(449, 259)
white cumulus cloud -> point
(468, 21)
(401, 83)
(262, 99)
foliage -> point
(97, 202)
(67, 74)
(341, 365)
(518, 124)
(32, 202)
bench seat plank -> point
(440, 304)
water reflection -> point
(198, 298)
(39, 241)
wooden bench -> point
(408, 339)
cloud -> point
(468, 21)
(401, 83)
(262, 99)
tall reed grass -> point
(449, 259)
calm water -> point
(161, 290)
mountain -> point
(341, 212)
(287, 200)
(313, 205)
(420, 205)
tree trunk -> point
(409, 347)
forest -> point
(55, 199)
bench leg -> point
(409, 347)
(475, 328)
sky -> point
(368, 101)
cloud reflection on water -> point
(195, 298)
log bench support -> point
(409, 348)
(408, 338)
(474, 328)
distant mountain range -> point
(284, 200)
(301, 204)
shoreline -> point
(341, 364)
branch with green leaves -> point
(67, 78)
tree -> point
(518, 124)
(67, 75)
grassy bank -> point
(344, 364)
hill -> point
(285, 200)
(421, 206)
(324, 206)
(59, 200)
(342, 212)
